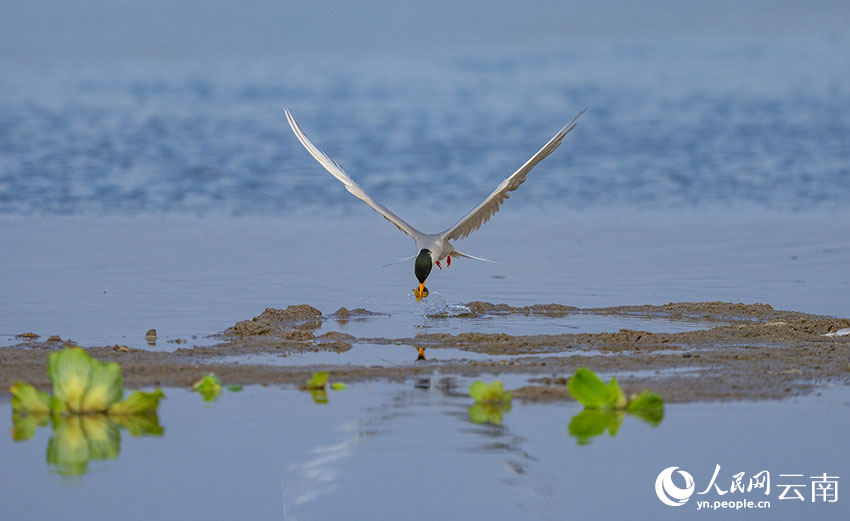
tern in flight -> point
(434, 248)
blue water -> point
(756, 119)
(379, 450)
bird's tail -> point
(456, 253)
(399, 261)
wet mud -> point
(755, 352)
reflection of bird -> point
(434, 248)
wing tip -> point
(571, 125)
(291, 120)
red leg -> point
(438, 265)
(448, 261)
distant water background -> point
(177, 109)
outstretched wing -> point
(482, 213)
(337, 171)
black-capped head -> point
(423, 265)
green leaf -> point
(339, 386)
(592, 422)
(105, 387)
(589, 390)
(493, 393)
(28, 399)
(70, 373)
(647, 406)
(478, 390)
(234, 388)
(491, 402)
(209, 387)
(138, 403)
(616, 397)
(318, 381)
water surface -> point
(378, 449)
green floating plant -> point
(318, 384)
(606, 406)
(209, 387)
(82, 385)
(591, 392)
(493, 393)
(86, 411)
(235, 388)
(318, 381)
(491, 402)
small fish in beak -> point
(421, 292)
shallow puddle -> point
(410, 322)
(380, 449)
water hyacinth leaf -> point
(493, 393)
(588, 389)
(235, 388)
(616, 397)
(105, 387)
(138, 403)
(318, 381)
(209, 387)
(647, 406)
(69, 371)
(339, 386)
(28, 399)
(209, 380)
(478, 390)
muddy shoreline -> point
(755, 352)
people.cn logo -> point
(670, 494)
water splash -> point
(436, 306)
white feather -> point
(438, 244)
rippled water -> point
(670, 124)
(380, 449)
